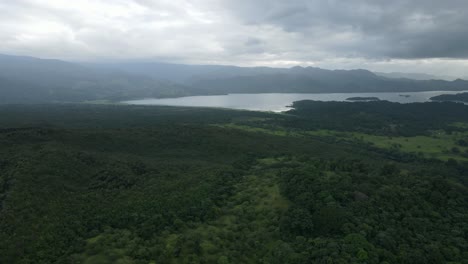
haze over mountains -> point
(416, 76)
(33, 80)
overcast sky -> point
(399, 35)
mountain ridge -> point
(31, 80)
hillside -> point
(32, 80)
(415, 76)
(461, 97)
(219, 79)
(134, 184)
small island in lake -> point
(461, 97)
(404, 95)
(364, 99)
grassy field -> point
(439, 144)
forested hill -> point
(220, 79)
(461, 97)
(33, 80)
(315, 80)
(137, 184)
(379, 117)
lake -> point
(278, 102)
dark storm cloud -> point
(385, 35)
(393, 29)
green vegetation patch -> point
(243, 233)
(440, 144)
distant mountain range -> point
(415, 76)
(33, 80)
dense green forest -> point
(461, 97)
(362, 182)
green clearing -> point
(439, 144)
(460, 125)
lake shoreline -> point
(221, 94)
(279, 102)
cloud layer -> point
(391, 35)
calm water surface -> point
(278, 102)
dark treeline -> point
(461, 97)
(383, 118)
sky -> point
(426, 36)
